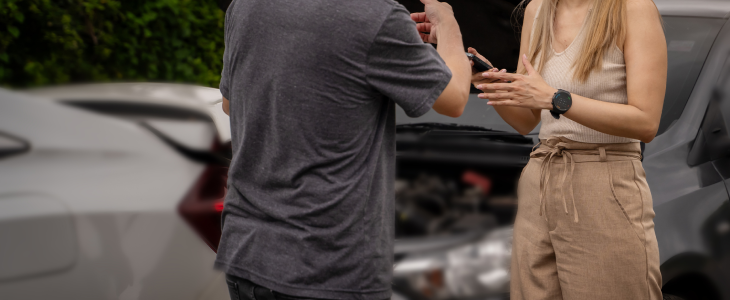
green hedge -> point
(59, 41)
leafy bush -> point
(59, 41)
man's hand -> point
(427, 23)
(226, 105)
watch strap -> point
(554, 112)
(555, 115)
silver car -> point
(107, 189)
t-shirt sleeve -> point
(404, 68)
(224, 85)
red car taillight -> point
(203, 204)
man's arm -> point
(226, 106)
(437, 25)
(453, 99)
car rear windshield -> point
(688, 42)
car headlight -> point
(480, 268)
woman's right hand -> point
(476, 76)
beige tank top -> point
(607, 84)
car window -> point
(688, 42)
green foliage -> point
(59, 41)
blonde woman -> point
(584, 227)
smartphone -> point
(479, 64)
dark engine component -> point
(433, 205)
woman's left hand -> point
(528, 91)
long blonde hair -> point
(605, 25)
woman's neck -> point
(575, 4)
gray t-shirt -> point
(313, 87)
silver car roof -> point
(204, 99)
(149, 92)
(688, 8)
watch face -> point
(562, 101)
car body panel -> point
(687, 213)
(685, 129)
(476, 113)
(684, 8)
(192, 97)
(120, 186)
(685, 196)
(39, 236)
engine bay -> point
(441, 189)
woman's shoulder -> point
(639, 15)
(640, 9)
(531, 9)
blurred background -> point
(57, 42)
(114, 153)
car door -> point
(712, 147)
(683, 168)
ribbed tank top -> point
(606, 84)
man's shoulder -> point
(391, 7)
(369, 17)
(376, 9)
(383, 5)
(388, 16)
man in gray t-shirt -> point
(311, 88)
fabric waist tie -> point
(573, 152)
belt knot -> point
(554, 147)
(558, 149)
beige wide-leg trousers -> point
(584, 227)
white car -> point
(107, 189)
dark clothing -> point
(312, 88)
(242, 289)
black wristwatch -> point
(562, 101)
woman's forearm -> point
(523, 120)
(613, 118)
(638, 119)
